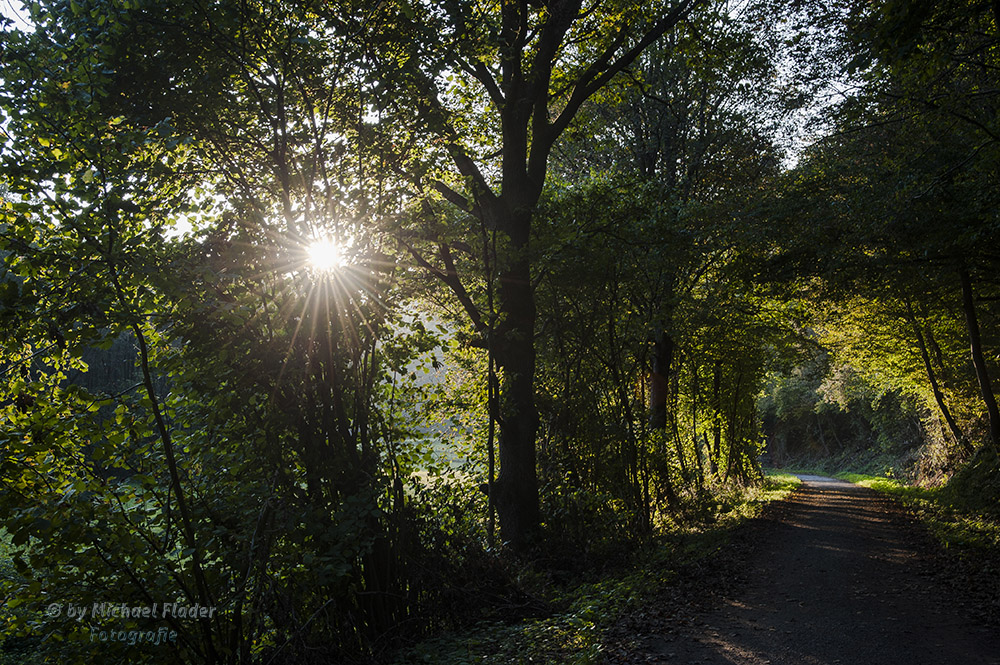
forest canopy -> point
(327, 314)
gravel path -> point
(838, 575)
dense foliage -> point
(582, 274)
(894, 220)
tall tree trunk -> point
(628, 450)
(734, 426)
(694, 423)
(516, 487)
(935, 349)
(822, 436)
(672, 411)
(204, 594)
(978, 358)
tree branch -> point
(605, 67)
(450, 277)
(479, 71)
(456, 199)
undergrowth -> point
(581, 610)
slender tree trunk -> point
(675, 426)
(187, 521)
(628, 450)
(647, 517)
(935, 349)
(663, 358)
(717, 417)
(978, 358)
(822, 437)
(491, 403)
(694, 423)
(956, 432)
(734, 426)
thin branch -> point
(450, 277)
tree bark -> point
(516, 487)
(663, 358)
(978, 358)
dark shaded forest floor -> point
(835, 574)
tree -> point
(521, 72)
(691, 133)
(255, 467)
(906, 185)
(938, 64)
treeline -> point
(893, 218)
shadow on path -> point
(838, 580)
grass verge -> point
(963, 531)
(582, 612)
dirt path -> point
(839, 576)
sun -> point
(326, 254)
